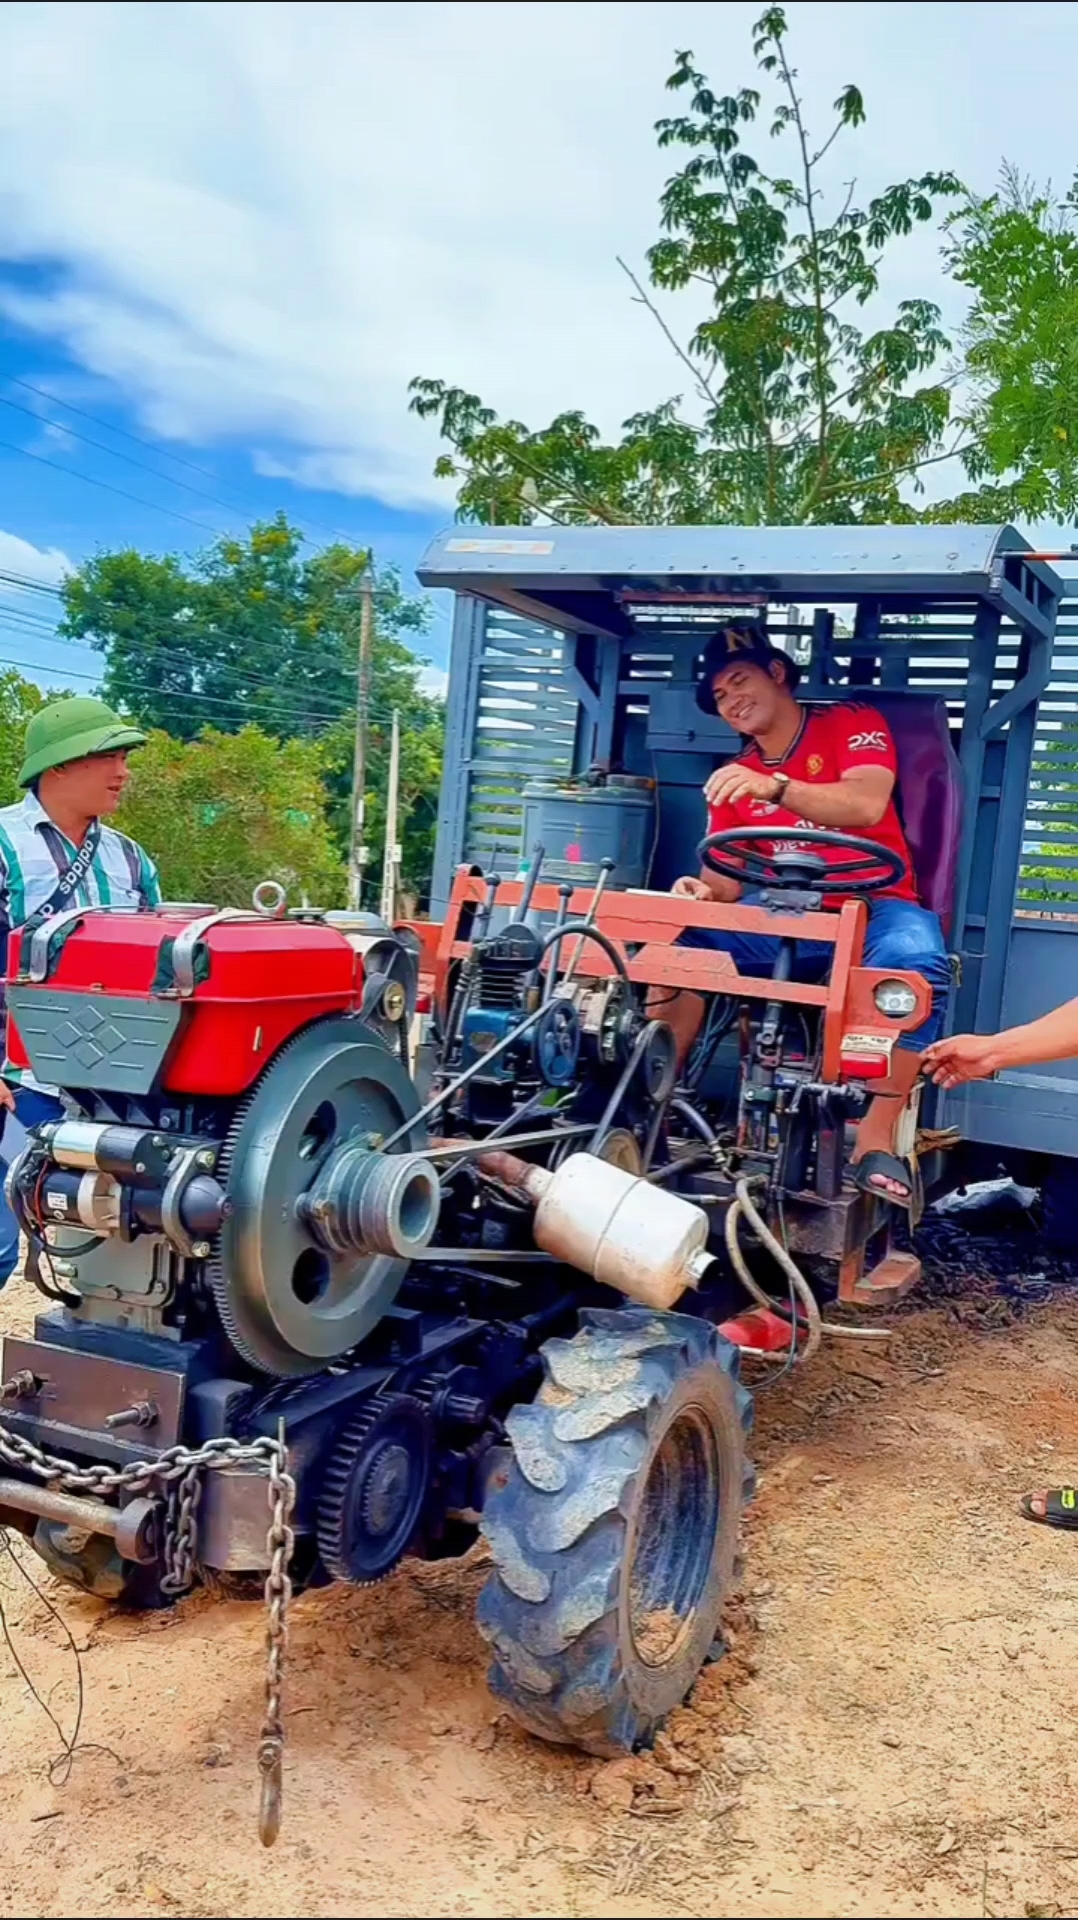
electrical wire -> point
(72, 473)
(127, 458)
(138, 440)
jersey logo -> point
(863, 742)
(815, 762)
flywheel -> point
(290, 1299)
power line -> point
(138, 440)
(27, 583)
(128, 459)
(72, 473)
(327, 715)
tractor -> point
(432, 1204)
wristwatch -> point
(782, 781)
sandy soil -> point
(892, 1733)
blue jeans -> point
(900, 934)
(31, 1110)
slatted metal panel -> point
(1048, 877)
(525, 728)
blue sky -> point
(236, 232)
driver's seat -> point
(929, 792)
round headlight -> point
(895, 998)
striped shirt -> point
(35, 855)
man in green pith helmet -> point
(55, 853)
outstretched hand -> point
(965, 1056)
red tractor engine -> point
(213, 1208)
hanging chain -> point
(179, 1472)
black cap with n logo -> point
(738, 640)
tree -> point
(802, 415)
(19, 700)
(1017, 251)
(254, 633)
(222, 812)
(249, 632)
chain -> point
(179, 1470)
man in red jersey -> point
(830, 767)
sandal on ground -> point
(888, 1166)
(1060, 1509)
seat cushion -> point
(929, 794)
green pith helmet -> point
(70, 730)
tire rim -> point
(677, 1524)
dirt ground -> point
(892, 1732)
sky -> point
(231, 234)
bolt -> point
(140, 1166)
(206, 1158)
(200, 1249)
(142, 1413)
(22, 1385)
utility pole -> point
(358, 851)
(392, 856)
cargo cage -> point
(574, 648)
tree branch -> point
(702, 383)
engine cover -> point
(161, 1002)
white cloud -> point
(18, 556)
(265, 220)
(435, 681)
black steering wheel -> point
(736, 853)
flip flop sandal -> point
(890, 1167)
(1060, 1509)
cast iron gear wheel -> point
(613, 1525)
(375, 1489)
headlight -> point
(895, 997)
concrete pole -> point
(392, 856)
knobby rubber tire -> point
(617, 1504)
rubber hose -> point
(745, 1204)
(687, 1112)
(826, 1327)
(582, 930)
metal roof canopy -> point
(583, 579)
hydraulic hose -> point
(694, 1119)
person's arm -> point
(977, 1056)
(709, 885)
(858, 800)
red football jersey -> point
(830, 741)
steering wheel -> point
(736, 853)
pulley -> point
(319, 1223)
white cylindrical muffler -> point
(625, 1232)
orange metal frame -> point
(646, 926)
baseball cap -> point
(738, 640)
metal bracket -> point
(184, 1168)
(185, 944)
(37, 968)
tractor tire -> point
(613, 1525)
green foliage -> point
(220, 813)
(19, 699)
(1017, 251)
(252, 633)
(805, 416)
